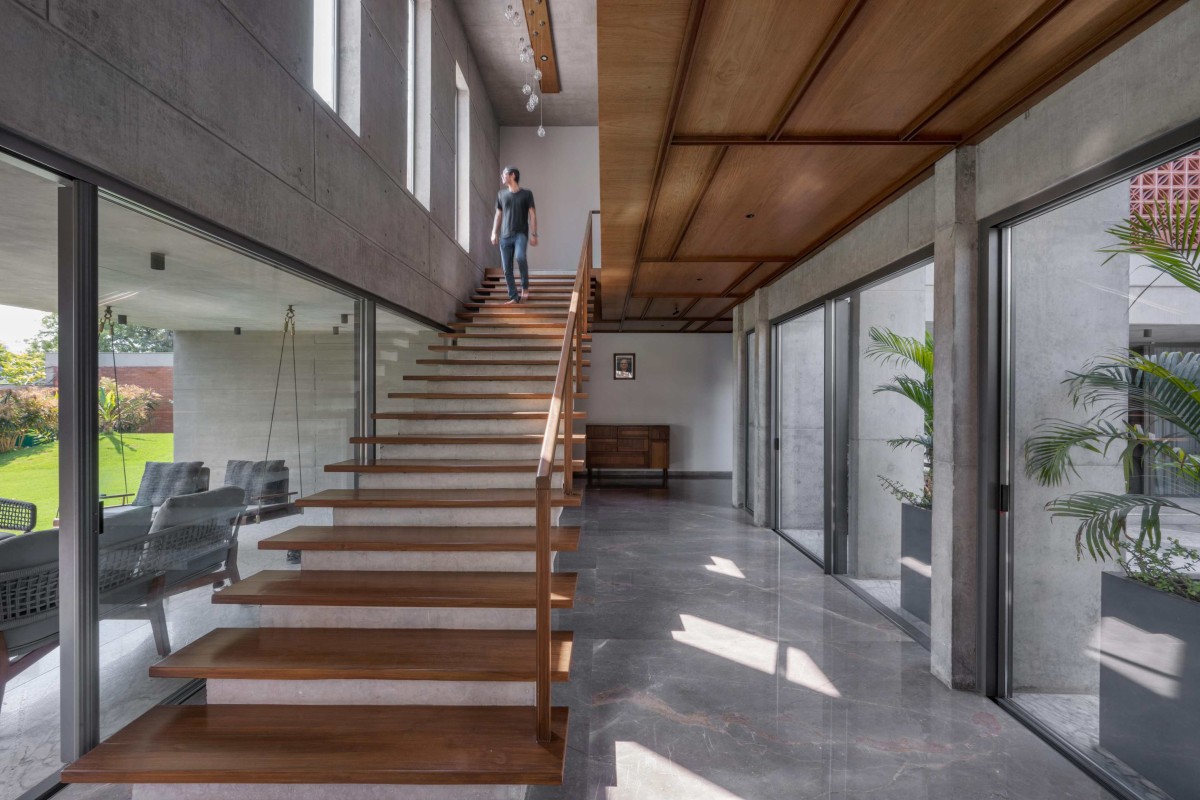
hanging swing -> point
(267, 484)
(118, 422)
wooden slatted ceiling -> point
(804, 115)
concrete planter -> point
(1150, 682)
(916, 553)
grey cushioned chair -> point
(194, 539)
(29, 591)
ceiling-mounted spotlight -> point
(237, 331)
(345, 319)
(158, 261)
(336, 330)
(1147, 333)
(122, 319)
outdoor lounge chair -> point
(17, 515)
(191, 542)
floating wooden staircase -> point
(411, 656)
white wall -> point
(684, 380)
(563, 172)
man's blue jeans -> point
(514, 247)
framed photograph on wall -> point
(624, 366)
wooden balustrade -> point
(568, 380)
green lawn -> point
(31, 473)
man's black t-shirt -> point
(515, 206)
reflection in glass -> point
(1104, 352)
(801, 429)
(29, 500)
(889, 446)
(226, 386)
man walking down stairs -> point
(399, 662)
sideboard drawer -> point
(616, 460)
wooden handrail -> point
(567, 381)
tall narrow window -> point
(462, 161)
(325, 50)
(411, 157)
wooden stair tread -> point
(418, 539)
(450, 438)
(494, 362)
(399, 589)
(473, 396)
(467, 415)
(513, 378)
(367, 744)
(443, 465)
(517, 348)
(587, 337)
(434, 498)
(355, 654)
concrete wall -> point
(224, 388)
(683, 380)
(563, 171)
(208, 104)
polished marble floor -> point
(713, 661)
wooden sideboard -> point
(629, 447)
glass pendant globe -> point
(527, 90)
(541, 132)
(537, 74)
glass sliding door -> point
(888, 447)
(800, 428)
(30, 713)
(1101, 338)
(753, 432)
(226, 386)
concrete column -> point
(899, 306)
(1064, 293)
(956, 330)
(739, 409)
(761, 442)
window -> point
(410, 178)
(1100, 337)
(325, 50)
(337, 58)
(462, 160)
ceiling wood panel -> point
(895, 62)
(687, 173)
(732, 90)
(688, 279)
(639, 43)
(807, 116)
(793, 193)
(1039, 58)
(756, 278)
(709, 307)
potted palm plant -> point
(1150, 609)
(916, 509)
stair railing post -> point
(542, 611)
(569, 434)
